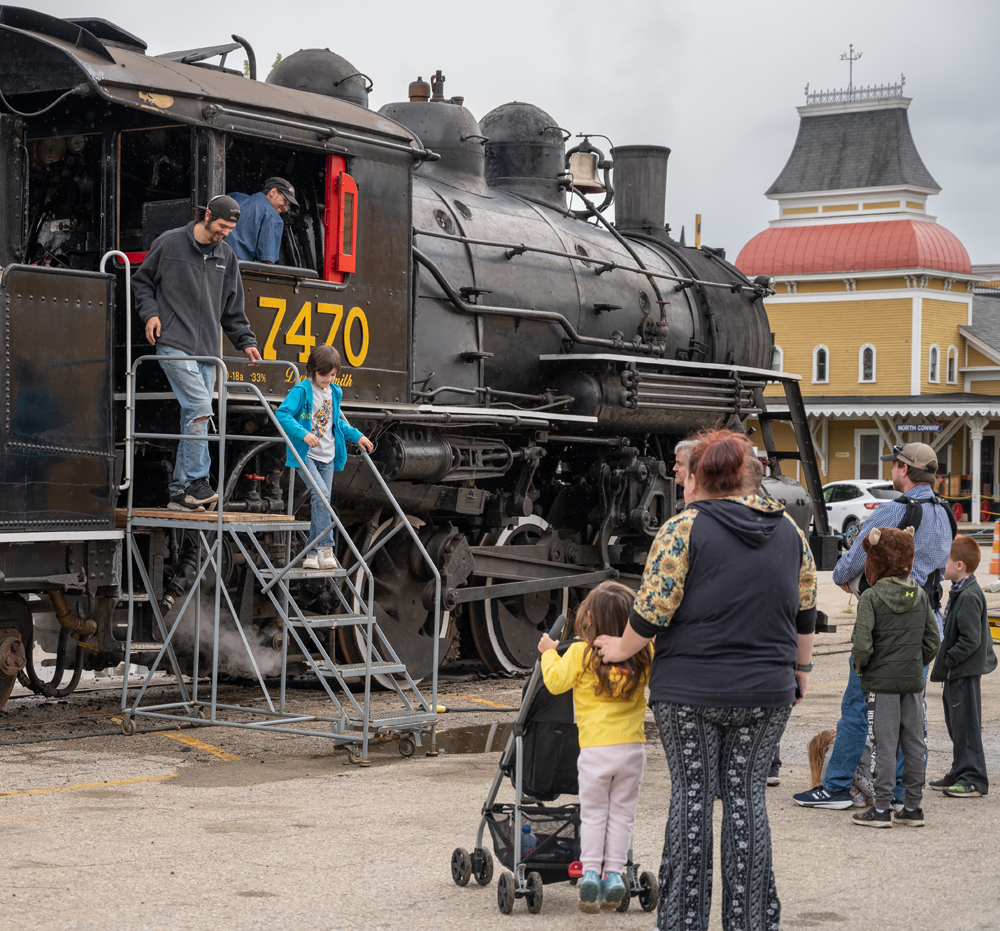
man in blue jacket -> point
(257, 237)
(914, 467)
(186, 288)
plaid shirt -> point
(932, 541)
(956, 587)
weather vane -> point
(852, 58)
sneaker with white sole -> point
(184, 503)
(824, 798)
(963, 791)
(326, 558)
(201, 492)
(773, 781)
(311, 561)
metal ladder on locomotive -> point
(351, 721)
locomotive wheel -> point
(506, 630)
(401, 577)
(12, 660)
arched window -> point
(952, 373)
(866, 363)
(934, 365)
(777, 359)
(821, 365)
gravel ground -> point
(244, 830)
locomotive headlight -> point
(764, 281)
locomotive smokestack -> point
(640, 187)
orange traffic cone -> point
(995, 558)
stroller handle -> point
(558, 627)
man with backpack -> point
(914, 468)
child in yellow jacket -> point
(610, 704)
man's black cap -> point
(224, 207)
(283, 188)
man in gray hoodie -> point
(187, 287)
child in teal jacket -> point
(319, 432)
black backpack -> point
(912, 517)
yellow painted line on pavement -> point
(88, 785)
(481, 701)
(201, 745)
(197, 744)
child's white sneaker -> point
(311, 561)
(326, 558)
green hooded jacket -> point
(895, 637)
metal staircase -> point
(350, 719)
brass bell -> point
(583, 168)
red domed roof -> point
(853, 247)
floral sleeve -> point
(807, 571)
(666, 570)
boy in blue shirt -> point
(318, 430)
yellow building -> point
(895, 335)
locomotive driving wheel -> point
(506, 630)
(401, 580)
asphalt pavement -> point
(217, 828)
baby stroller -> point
(540, 760)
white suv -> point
(849, 503)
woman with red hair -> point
(729, 594)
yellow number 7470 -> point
(299, 332)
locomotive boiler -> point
(522, 338)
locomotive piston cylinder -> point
(416, 456)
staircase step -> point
(329, 620)
(358, 669)
(389, 718)
(305, 573)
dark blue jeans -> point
(852, 732)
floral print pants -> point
(731, 748)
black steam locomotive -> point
(524, 364)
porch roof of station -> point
(907, 406)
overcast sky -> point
(716, 81)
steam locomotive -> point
(524, 364)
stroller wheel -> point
(647, 895)
(505, 893)
(482, 867)
(461, 866)
(533, 897)
(626, 900)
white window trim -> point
(858, 433)
(777, 351)
(951, 381)
(861, 365)
(934, 355)
(815, 380)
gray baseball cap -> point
(283, 188)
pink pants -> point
(609, 791)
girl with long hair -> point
(610, 703)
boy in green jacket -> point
(966, 655)
(895, 637)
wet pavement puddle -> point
(475, 738)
